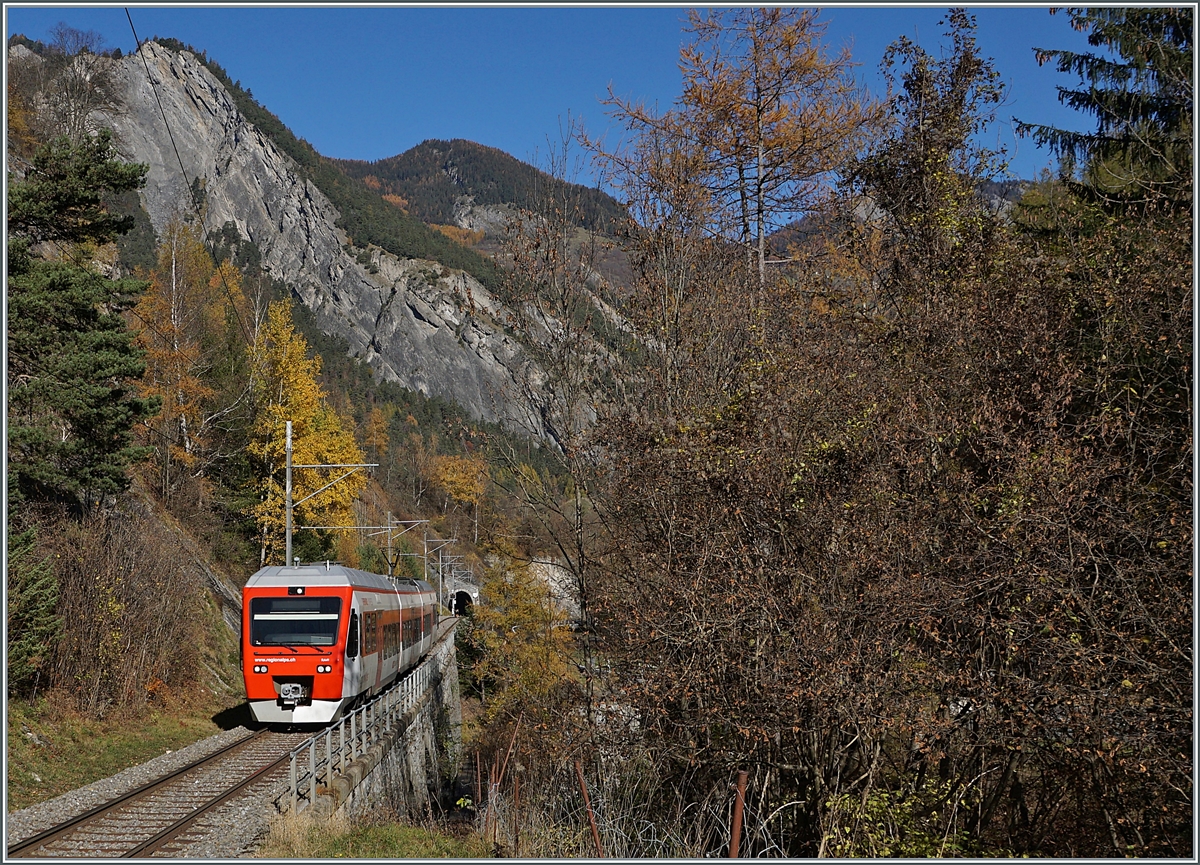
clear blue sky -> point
(371, 81)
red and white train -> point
(318, 637)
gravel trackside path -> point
(231, 831)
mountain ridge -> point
(418, 322)
(436, 174)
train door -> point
(353, 676)
(408, 621)
(427, 626)
(370, 646)
(391, 639)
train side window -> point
(352, 636)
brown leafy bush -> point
(910, 526)
(130, 600)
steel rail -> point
(175, 830)
(47, 836)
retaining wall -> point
(411, 771)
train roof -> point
(333, 574)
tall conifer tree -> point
(72, 362)
(1139, 88)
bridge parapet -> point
(327, 771)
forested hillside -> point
(428, 179)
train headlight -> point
(260, 668)
(324, 668)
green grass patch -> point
(53, 750)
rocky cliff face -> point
(415, 322)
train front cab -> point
(297, 665)
(315, 640)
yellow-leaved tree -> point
(285, 389)
(376, 433)
(464, 479)
(518, 646)
(766, 117)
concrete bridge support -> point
(411, 770)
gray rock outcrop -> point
(417, 323)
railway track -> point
(162, 817)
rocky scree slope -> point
(415, 322)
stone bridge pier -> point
(402, 752)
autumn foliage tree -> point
(376, 433)
(915, 555)
(285, 388)
(766, 116)
(518, 644)
(463, 479)
(924, 173)
(182, 318)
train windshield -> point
(294, 621)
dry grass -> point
(292, 836)
(54, 748)
(636, 815)
(301, 836)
